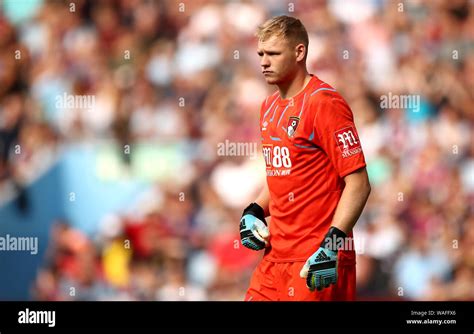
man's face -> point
(277, 59)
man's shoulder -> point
(324, 96)
(322, 92)
(270, 100)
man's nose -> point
(265, 62)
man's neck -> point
(296, 85)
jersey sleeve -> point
(262, 108)
(337, 135)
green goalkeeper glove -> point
(254, 232)
(320, 270)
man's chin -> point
(271, 80)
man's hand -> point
(320, 270)
(254, 232)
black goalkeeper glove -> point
(254, 231)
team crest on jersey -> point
(293, 122)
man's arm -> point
(352, 201)
(320, 270)
(254, 231)
(263, 199)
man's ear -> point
(300, 50)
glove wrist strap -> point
(255, 210)
(333, 239)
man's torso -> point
(308, 142)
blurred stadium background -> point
(128, 196)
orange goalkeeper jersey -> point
(309, 144)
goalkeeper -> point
(317, 183)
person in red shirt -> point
(317, 183)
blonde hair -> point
(284, 26)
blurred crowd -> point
(187, 72)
